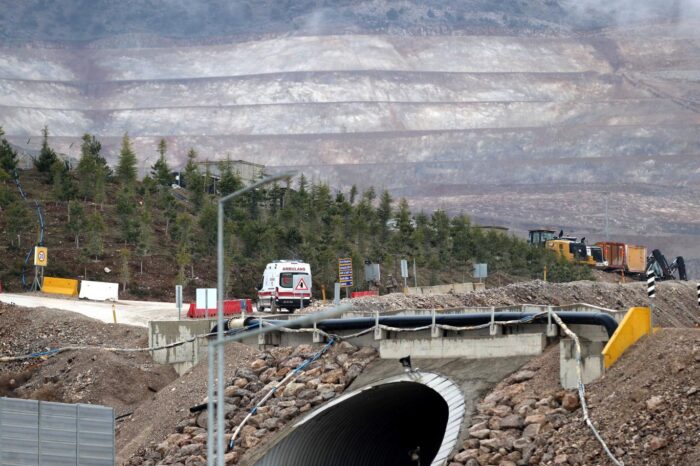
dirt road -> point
(128, 312)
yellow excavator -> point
(568, 247)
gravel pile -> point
(321, 381)
(646, 407)
(675, 305)
(120, 380)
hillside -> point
(519, 113)
(149, 236)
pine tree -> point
(47, 156)
(8, 156)
(17, 219)
(76, 223)
(160, 171)
(384, 214)
(193, 179)
(230, 182)
(124, 272)
(92, 170)
(95, 230)
(126, 168)
(145, 239)
(63, 185)
(126, 214)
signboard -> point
(345, 272)
(480, 270)
(41, 256)
(404, 268)
(206, 298)
(372, 273)
(302, 284)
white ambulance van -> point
(286, 284)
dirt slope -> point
(120, 380)
(646, 408)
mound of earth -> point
(119, 380)
(675, 304)
(646, 408)
(246, 384)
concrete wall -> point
(182, 357)
(502, 346)
(444, 289)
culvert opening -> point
(380, 426)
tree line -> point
(296, 219)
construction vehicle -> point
(657, 263)
(568, 247)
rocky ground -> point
(119, 380)
(675, 304)
(646, 407)
(321, 381)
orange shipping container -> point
(636, 258)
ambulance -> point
(286, 284)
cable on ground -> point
(288, 378)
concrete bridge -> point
(456, 366)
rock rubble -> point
(320, 382)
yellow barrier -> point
(635, 324)
(62, 286)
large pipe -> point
(360, 323)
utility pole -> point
(216, 416)
(607, 235)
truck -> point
(286, 284)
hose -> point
(288, 378)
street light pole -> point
(607, 236)
(220, 321)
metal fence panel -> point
(39, 433)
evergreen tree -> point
(8, 156)
(92, 171)
(230, 182)
(208, 219)
(124, 272)
(126, 168)
(160, 170)
(17, 220)
(384, 215)
(145, 239)
(47, 156)
(63, 186)
(126, 215)
(353, 194)
(194, 181)
(95, 231)
(76, 222)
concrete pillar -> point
(592, 365)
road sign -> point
(41, 256)
(300, 284)
(480, 270)
(404, 268)
(345, 277)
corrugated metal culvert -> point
(411, 419)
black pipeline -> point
(458, 320)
